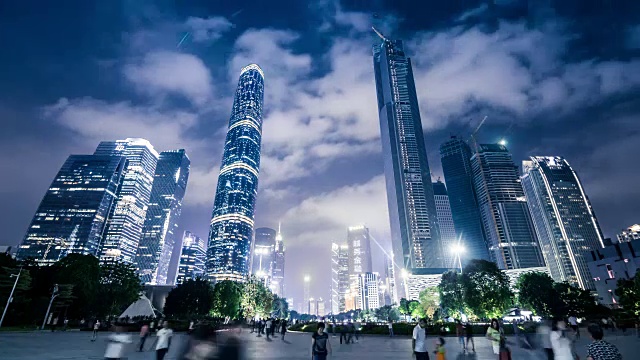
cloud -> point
(160, 73)
(207, 29)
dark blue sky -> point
(553, 77)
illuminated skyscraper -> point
(629, 234)
(445, 221)
(503, 208)
(412, 209)
(73, 213)
(232, 218)
(278, 266)
(455, 155)
(124, 227)
(368, 291)
(339, 277)
(564, 220)
(161, 223)
(192, 258)
(359, 247)
(264, 254)
(390, 279)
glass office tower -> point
(511, 237)
(232, 218)
(163, 213)
(192, 258)
(263, 261)
(73, 213)
(412, 209)
(277, 280)
(455, 155)
(339, 277)
(445, 222)
(564, 220)
(359, 245)
(124, 228)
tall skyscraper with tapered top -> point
(412, 209)
(277, 281)
(231, 228)
(161, 223)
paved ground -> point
(76, 345)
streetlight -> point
(307, 278)
(54, 295)
(458, 250)
(10, 299)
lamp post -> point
(10, 299)
(54, 295)
(458, 250)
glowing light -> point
(404, 273)
(502, 142)
(457, 249)
(307, 278)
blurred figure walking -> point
(116, 344)
(144, 334)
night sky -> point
(553, 77)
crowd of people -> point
(269, 326)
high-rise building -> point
(264, 254)
(307, 293)
(124, 227)
(192, 258)
(228, 254)
(390, 279)
(445, 221)
(412, 209)
(339, 277)
(564, 220)
(321, 307)
(278, 265)
(73, 213)
(163, 213)
(312, 305)
(359, 247)
(629, 234)
(368, 291)
(619, 261)
(455, 155)
(503, 209)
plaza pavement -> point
(74, 345)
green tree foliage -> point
(574, 301)
(416, 310)
(119, 286)
(226, 299)
(536, 292)
(20, 306)
(628, 291)
(82, 273)
(403, 308)
(451, 293)
(256, 300)
(486, 288)
(192, 299)
(387, 312)
(430, 301)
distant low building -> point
(629, 234)
(610, 264)
(11, 250)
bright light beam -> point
(186, 35)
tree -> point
(19, 309)
(416, 311)
(574, 301)
(537, 293)
(191, 299)
(387, 312)
(226, 299)
(119, 287)
(451, 294)
(486, 289)
(403, 308)
(256, 300)
(429, 301)
(82, 273)
(628, 291)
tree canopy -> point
(628, 291)
(486, 289)
(192, 299)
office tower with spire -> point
(503, 208)
(564, 220)
(231, 227)
(73, 213)
(412, 209)
(455, 155)
(339, 277)
(359, 247)
(161, 222)
(263, 261)
(126, 221)
(192, 258)
(445, 221)
(307, 294)
(278, 265)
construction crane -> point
(472, 138)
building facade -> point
(412, 209)
(264, 247)
(359, 247)
(610, 264)
(126, 221)
(192, 258)
(231, 227)
(448, 235)
(563, 218)
(629, 234)
(161, 222)
(503, 208)
(390, 279)
(455, 156)
(339, 277)
(278, 265)
(73, 213)
(368, 291)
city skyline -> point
(321, 162)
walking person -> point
(356, 329)
(560, 342)
(274, 323)
(351, 331)
(600, 349)
(320, 345)
(390, 325)
(460, 333)
(494, 334)
(440, 351)
(343, 333)
(163, 340)
(573, 323)
(283, 328)
(54, 324)
(144, 334)
(268, 327)
(468, 329)
(419, 341)
(65, 324)
(544, 338)
(96, 327)
(253, 325)
(116, 344)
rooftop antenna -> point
(380, 35)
